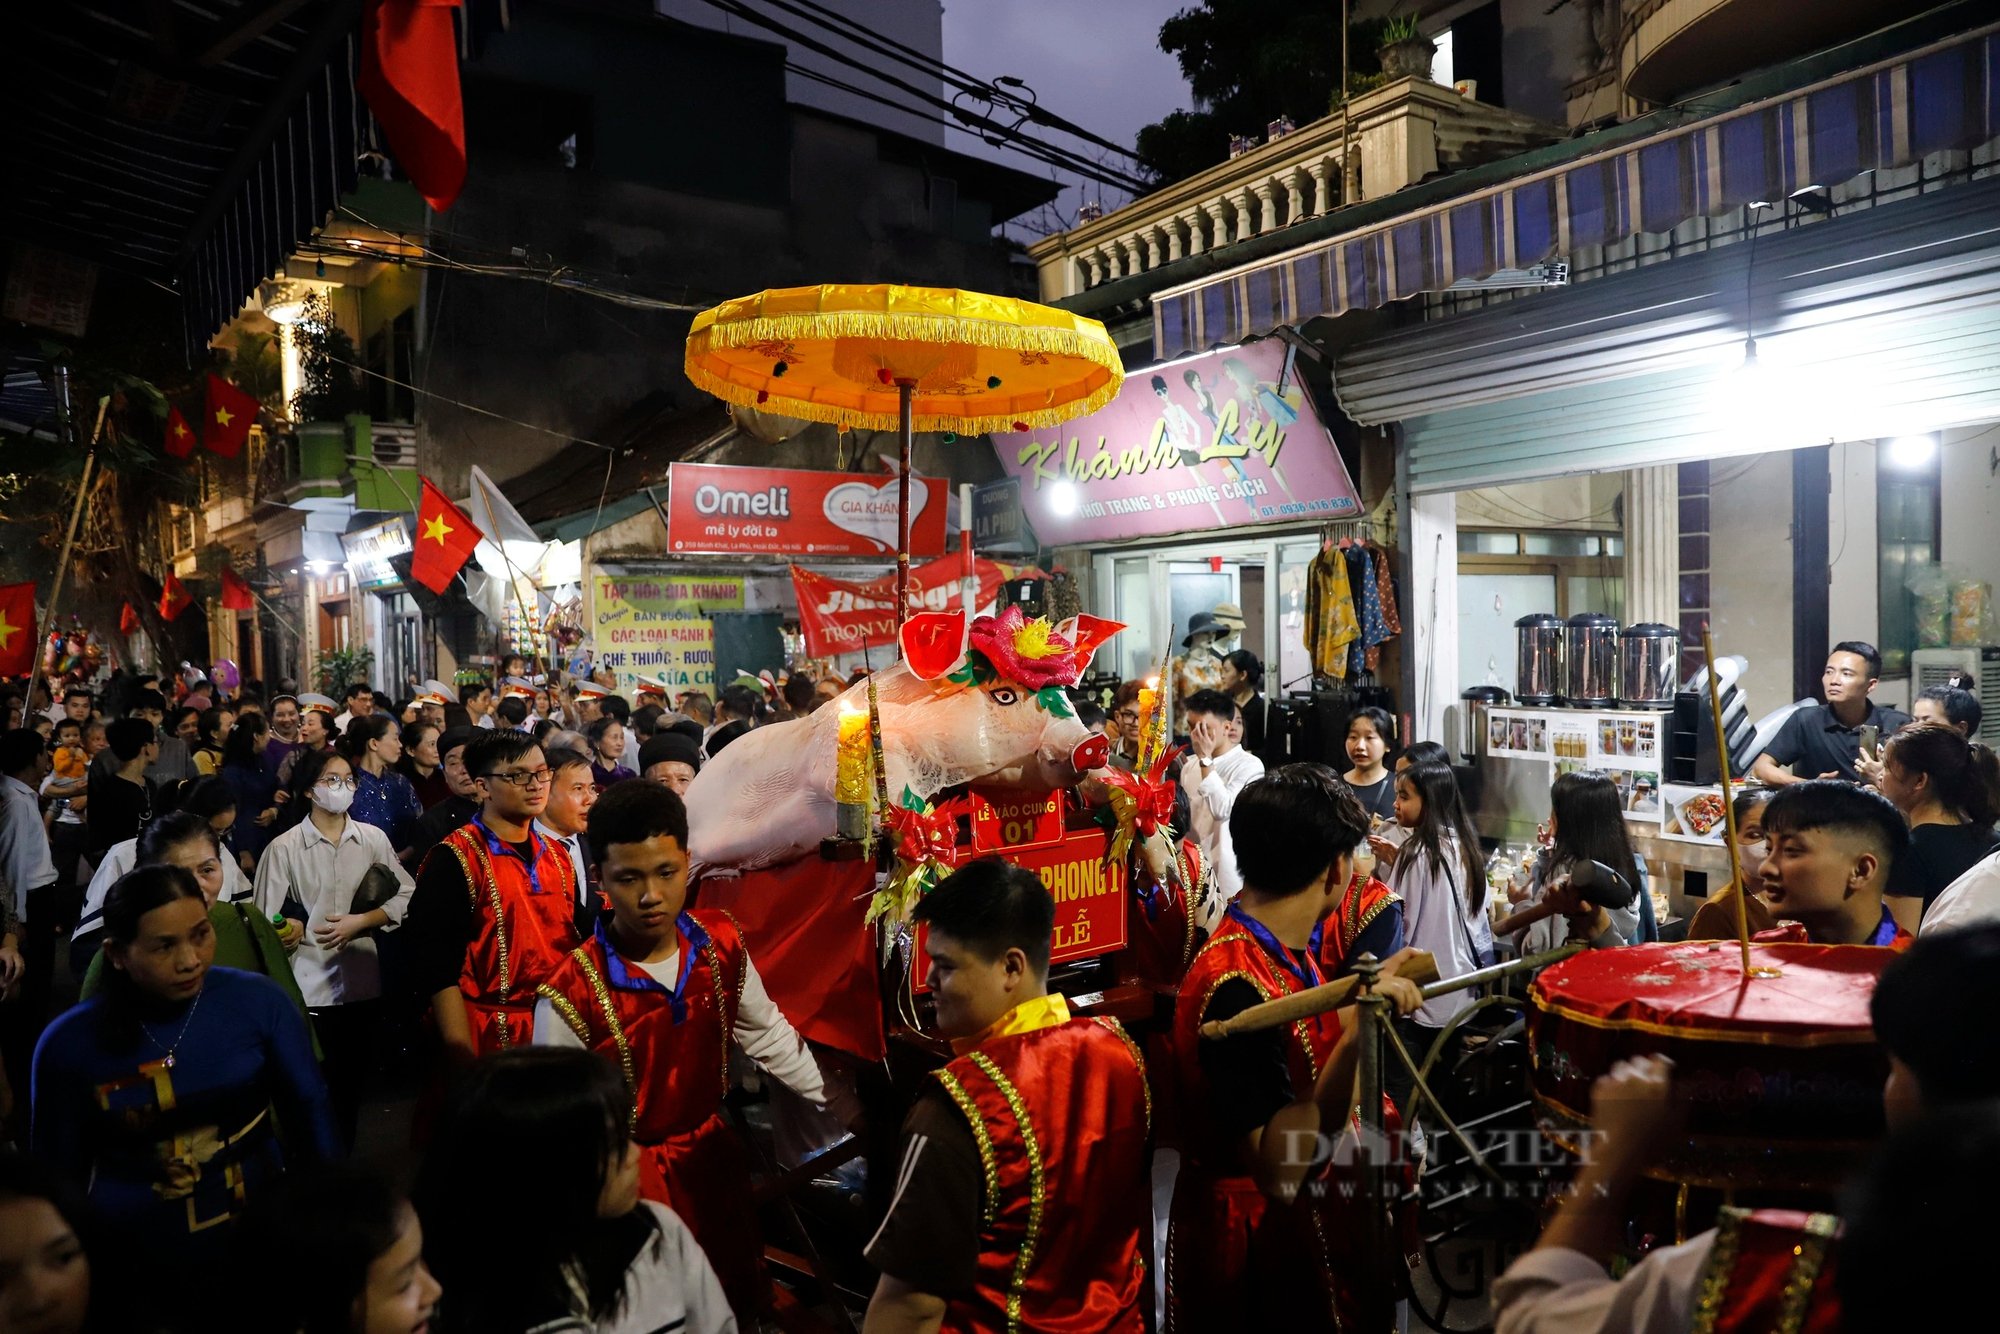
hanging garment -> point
(1330, 623)
(1381, 607)
(1361, 578)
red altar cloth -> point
(1784, 1072)
(803, 923)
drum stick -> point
(1728, 801)
(1419, 967)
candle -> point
(850, 784)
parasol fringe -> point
(833, 414)
(912, 328)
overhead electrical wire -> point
(858, 33)
(1012, 137)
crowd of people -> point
(271, 902)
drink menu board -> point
(1624, 745)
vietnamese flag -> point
(409, 75)
(128, 620)
(227, 417)
(174, 597)
(17, 629)
(445, 540)
(235, 592)
(179, 439)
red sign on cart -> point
(1004, 820)
(1090, 900)
(794, 512)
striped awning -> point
(1943, 97)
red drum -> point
(1785, 1073)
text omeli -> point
(774, 502)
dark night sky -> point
(1095, 62)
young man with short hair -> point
(360, 697)
(477, 697)
(1832, 845)
(672, 759)
(1563, 1286)
(497, 906)
(572, 792)
(121, 796)
(1250, 1249)
(662, 991)
(511, 713)
(1824, 740)
(1216, 769)
(1021, 1200)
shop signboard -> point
(654, 624)
(369, 549)
(713, 508)
(1089, 895)
(1215, 441)
(839, 616)
(997, 522)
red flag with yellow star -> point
(174, 597)
(227, 417)
(17, 629)
(445, 540)
(128, 619)
(179, 439)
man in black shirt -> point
(121, 800)
(1824, 740)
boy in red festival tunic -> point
(497, 905)
(1020, 1203)
(1909, 1252)
(1248, 1249)
(660, 991)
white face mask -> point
(332, 800)
(1753, 856)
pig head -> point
(949, 716)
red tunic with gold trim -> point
(1369, 920)
(1060, 1114)
(524, 922)
(673, 1048)
(1769, 1270)
(1235, 1258)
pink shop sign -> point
(1207, 442)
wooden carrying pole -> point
(1419, 967)
(75, 518)
(1728, 804)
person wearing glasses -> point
(1124, 731)
(310, 875)
(497, 905)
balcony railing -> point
(1396, 136)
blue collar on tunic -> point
(1885, 930)
(499, 848)
(1308, 976)
(694, 940)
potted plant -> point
(1405, 52)
(340, 667)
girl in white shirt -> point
(309, 875)
(1443, 885)
(537, 1143)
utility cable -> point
(484, 412)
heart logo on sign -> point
(870, 511)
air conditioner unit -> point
(1934, 666)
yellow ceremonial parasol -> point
(904, 358)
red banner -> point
(1090, 900)
(837, 616)
(792, 512)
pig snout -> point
(1067, 752)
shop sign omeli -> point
(713, 508)
(1214, 441)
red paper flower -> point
(925, 835)
(1027, 652)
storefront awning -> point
(1943, 97)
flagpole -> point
(75, 518)
(513, 575)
